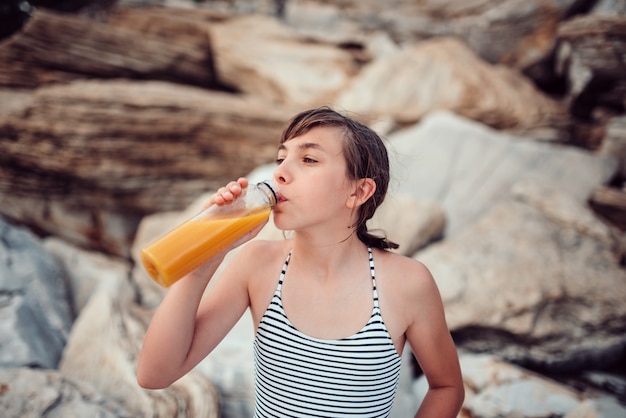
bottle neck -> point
(269, 188)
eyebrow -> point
(303, 146)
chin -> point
(280, 223)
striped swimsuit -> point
(300, 376)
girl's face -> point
(312, 179)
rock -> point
(103, 349)
(517, 33)
(173, 22)
(603, 407)
(31, 393)
(250, 56)
(444, 74)
(609, 7)
(609, 382)
(13, 100)
(410, 223)
(56, 47)
(527, 270)
(468, 168)
(108, 152)
(614, 143)
(497, 389)
(325, 22)
(610, 204)
(35, 312)
(592, 48)
(555, 270)
(91, 272)
(592, 57)
(96, 227)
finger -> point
(228, 193)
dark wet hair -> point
(366, 157)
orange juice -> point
(194, 242)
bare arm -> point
(170, 347)
(434, 349)
(185, 328)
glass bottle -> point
(195, 241)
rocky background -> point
(505, 121)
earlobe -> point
(364, 189)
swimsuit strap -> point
(373, 274)
(282, 275)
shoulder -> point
(262, 252)
(251, 259)
(406, 284)
(258, 259)
(403, 272)
(258, 264)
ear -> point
(363, 190)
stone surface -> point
(90, 272)
(468, 168)
(92, 139)
(598, 408)
(555, 270)
(32, 393)
(58, 47)
(35, 311)
(103, 349)
(498, 389)
(451, 77)
(250, 56)
(100, 167)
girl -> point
(332, 307)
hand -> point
(228, 193)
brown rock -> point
(445, 74)
(54, 47)
(93, 149)
(261, 56)
(592, 56)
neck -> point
(324, 258)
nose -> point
(281, 173)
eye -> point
(309, 160)
(279, 160)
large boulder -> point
(103, 349)
(32, 393)
(57, 47)
(468, 168)
(261, 56)
(36, 314)
(517, 33)
(445, 74)
(496, 388)
(537, 280)
(108, 152)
